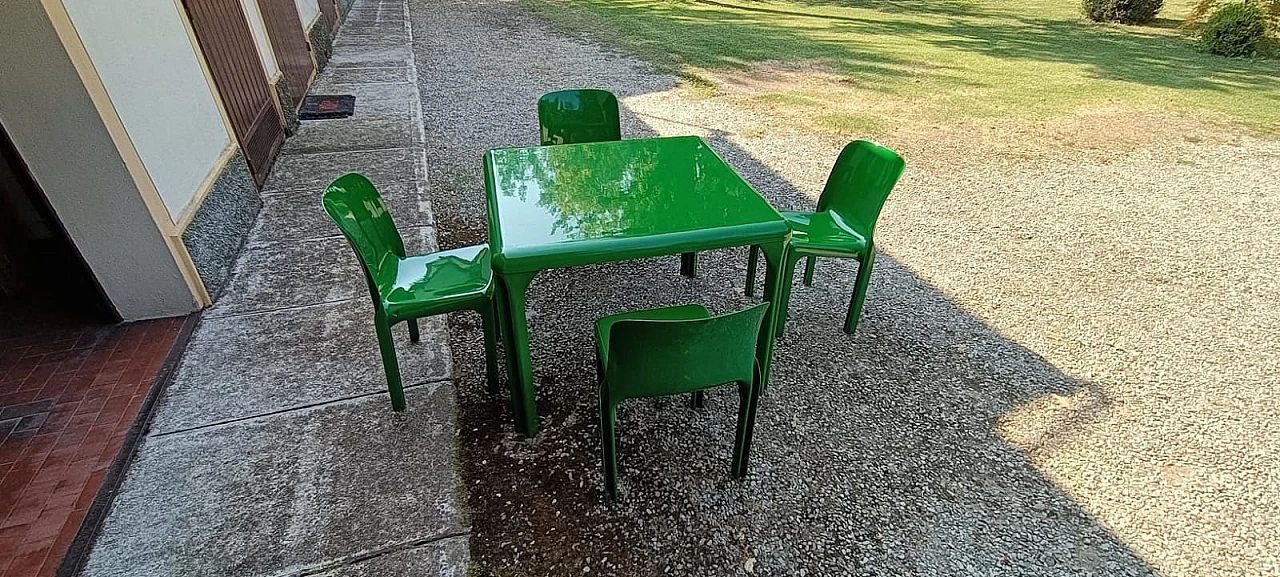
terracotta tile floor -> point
(69, 393)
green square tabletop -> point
(579, 204)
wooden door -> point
(293, 54)
(330, 10)
(224, 37)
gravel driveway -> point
(1067, 363)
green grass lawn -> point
(936, 60)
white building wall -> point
(147, 62)
(307, 11)
(56, 127)
(259, 30)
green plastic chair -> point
(588, 115)
(673, 351)
(406, 288)
(843, 226)
(578, 116)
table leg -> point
(784, 291)
(689, 264)
(512, 291)
(502, 307)
(774, 256)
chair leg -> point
(608, 443)
(752, 257)
(788, 276)
(689, 264)
(859, 291)
(808, 270)
(388, 348)
(748, 399)
(697, 400)
(489, 324)
(413, 330)
(504, 332)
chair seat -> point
(430, 284)
(824, 234)
(676, 313)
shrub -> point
(1236, 29)
(1122, 11)
(1201, 10)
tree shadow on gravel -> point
(1129, 55)
(878, 453)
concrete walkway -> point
(275, 451)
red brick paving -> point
(68, 396)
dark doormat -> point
(327, 106)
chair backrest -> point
(355, 205)
(649, 358)
(860, 181)
(578, 116)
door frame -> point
(254, 132)
(283, 25)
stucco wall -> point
(147, 62)
(57, 131)
(307, 11)
(260, 38)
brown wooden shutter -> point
(224, 37)
(293, 54)
(330, 10)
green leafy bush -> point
(1201, 10)
(1236, 29)
(1122, 11)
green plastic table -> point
(579, 204)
